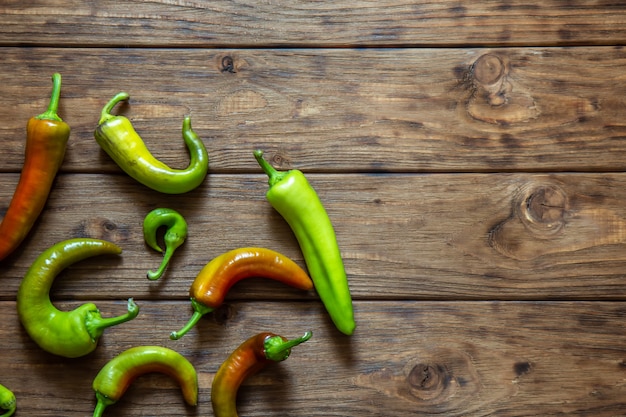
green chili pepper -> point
(175, 235)
(297, 202)
(65, 333)
(7, 401)
(250, 357)
(118, 374)
(118, 138)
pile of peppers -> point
(75, 333)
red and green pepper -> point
(46, 140)
(249, 358)
(208, 290)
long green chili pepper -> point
(297, 202)
(117, 136)
(249, 358)
(46, 140)
(175, 235)
(118, 374)
(7, 401)
(65, 333)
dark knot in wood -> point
(543, 209)
(428, 382)
(101, 228)
(228, 64)
(224, 313)
(488, 69)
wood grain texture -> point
(453, 359)
(391, 110)
(341, 23)
(436, 236)
(471, 157)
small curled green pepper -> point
(175, 235)
(118, 374)
(117, 136)
(65, 333)
(7, 401)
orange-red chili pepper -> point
(210, 287)
(47, 137)
(249, 358)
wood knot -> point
(280, 160)
(488, 70)
(102, 228)
(224, 313)
(227, 64)
(496, 97)
(542, 209)
(428, 382)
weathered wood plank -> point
(390, 110)
(340, 23)
(436, 236)
(406, 358)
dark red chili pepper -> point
(208, 290)
(249, 358)
(47, 136)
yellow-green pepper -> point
(117, 136)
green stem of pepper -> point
(273, 174)
(101, 405)
(96, 324)
(53, 105)
(277, 349)
(108, 108)
(199, 310)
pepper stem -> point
(108, 108)
(103, 402)
(96, 324)
(273, 174)
(154, 275)
(53, 105)
(199, 310)
(277, 349)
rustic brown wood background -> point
(470, 156)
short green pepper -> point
(175, 235)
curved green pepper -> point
(118, 138)
(65, 333)
(293, 197)
(7, 401)
(175, 235)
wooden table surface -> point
(470, 155)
